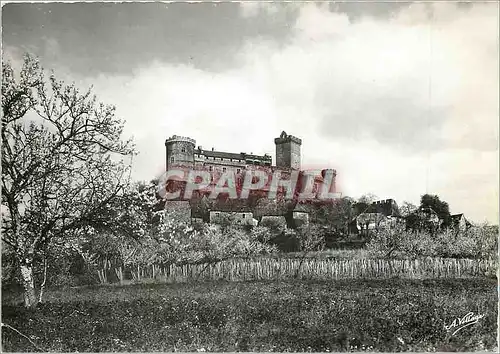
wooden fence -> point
(277, 269)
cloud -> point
(405, 82)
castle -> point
(181, 152)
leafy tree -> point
(440, 207)
(132, 217)
(387, 243)
(479, 242)
(176, 242)
(311, 239)
(275, 224)
(63, 162)
(335, 215)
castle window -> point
(172, 159)
(210, 168)
(223, 169)
(243, 216)
(183, 150)
(238, 170)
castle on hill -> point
(182, 152)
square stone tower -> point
(288, 151)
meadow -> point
(291, 315)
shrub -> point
(387, 243)
(286, 241)
(476, 243)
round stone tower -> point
(180, 151)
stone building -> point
(380, 214)
(460, 223)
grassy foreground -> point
(342, 315)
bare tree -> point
(407, 209)
(367, 198)
(63, 161)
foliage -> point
(388, 242)
(171, 241)
(295, 316)
(180, 243)
(275, 224)
(478, 242)
(440, 207)
(407, 208)
(63, 161)
(475, 242)
(278, 234)
(335, 216)
(367, 198)
(311, 238)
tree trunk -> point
(30, 300)
(42, 287)
(297, 272)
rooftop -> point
(232, 155)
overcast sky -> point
(401, 99)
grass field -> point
(341, 315)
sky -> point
(400, 98)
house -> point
(460, 223)
(423, 218)
(379, 214)
(370, 221)
(300, 215)
(233, 217)
(234, 211)
(278, 209)
(430, 215)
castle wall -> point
(283, 155)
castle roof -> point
(232, 155)
(303, 208)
